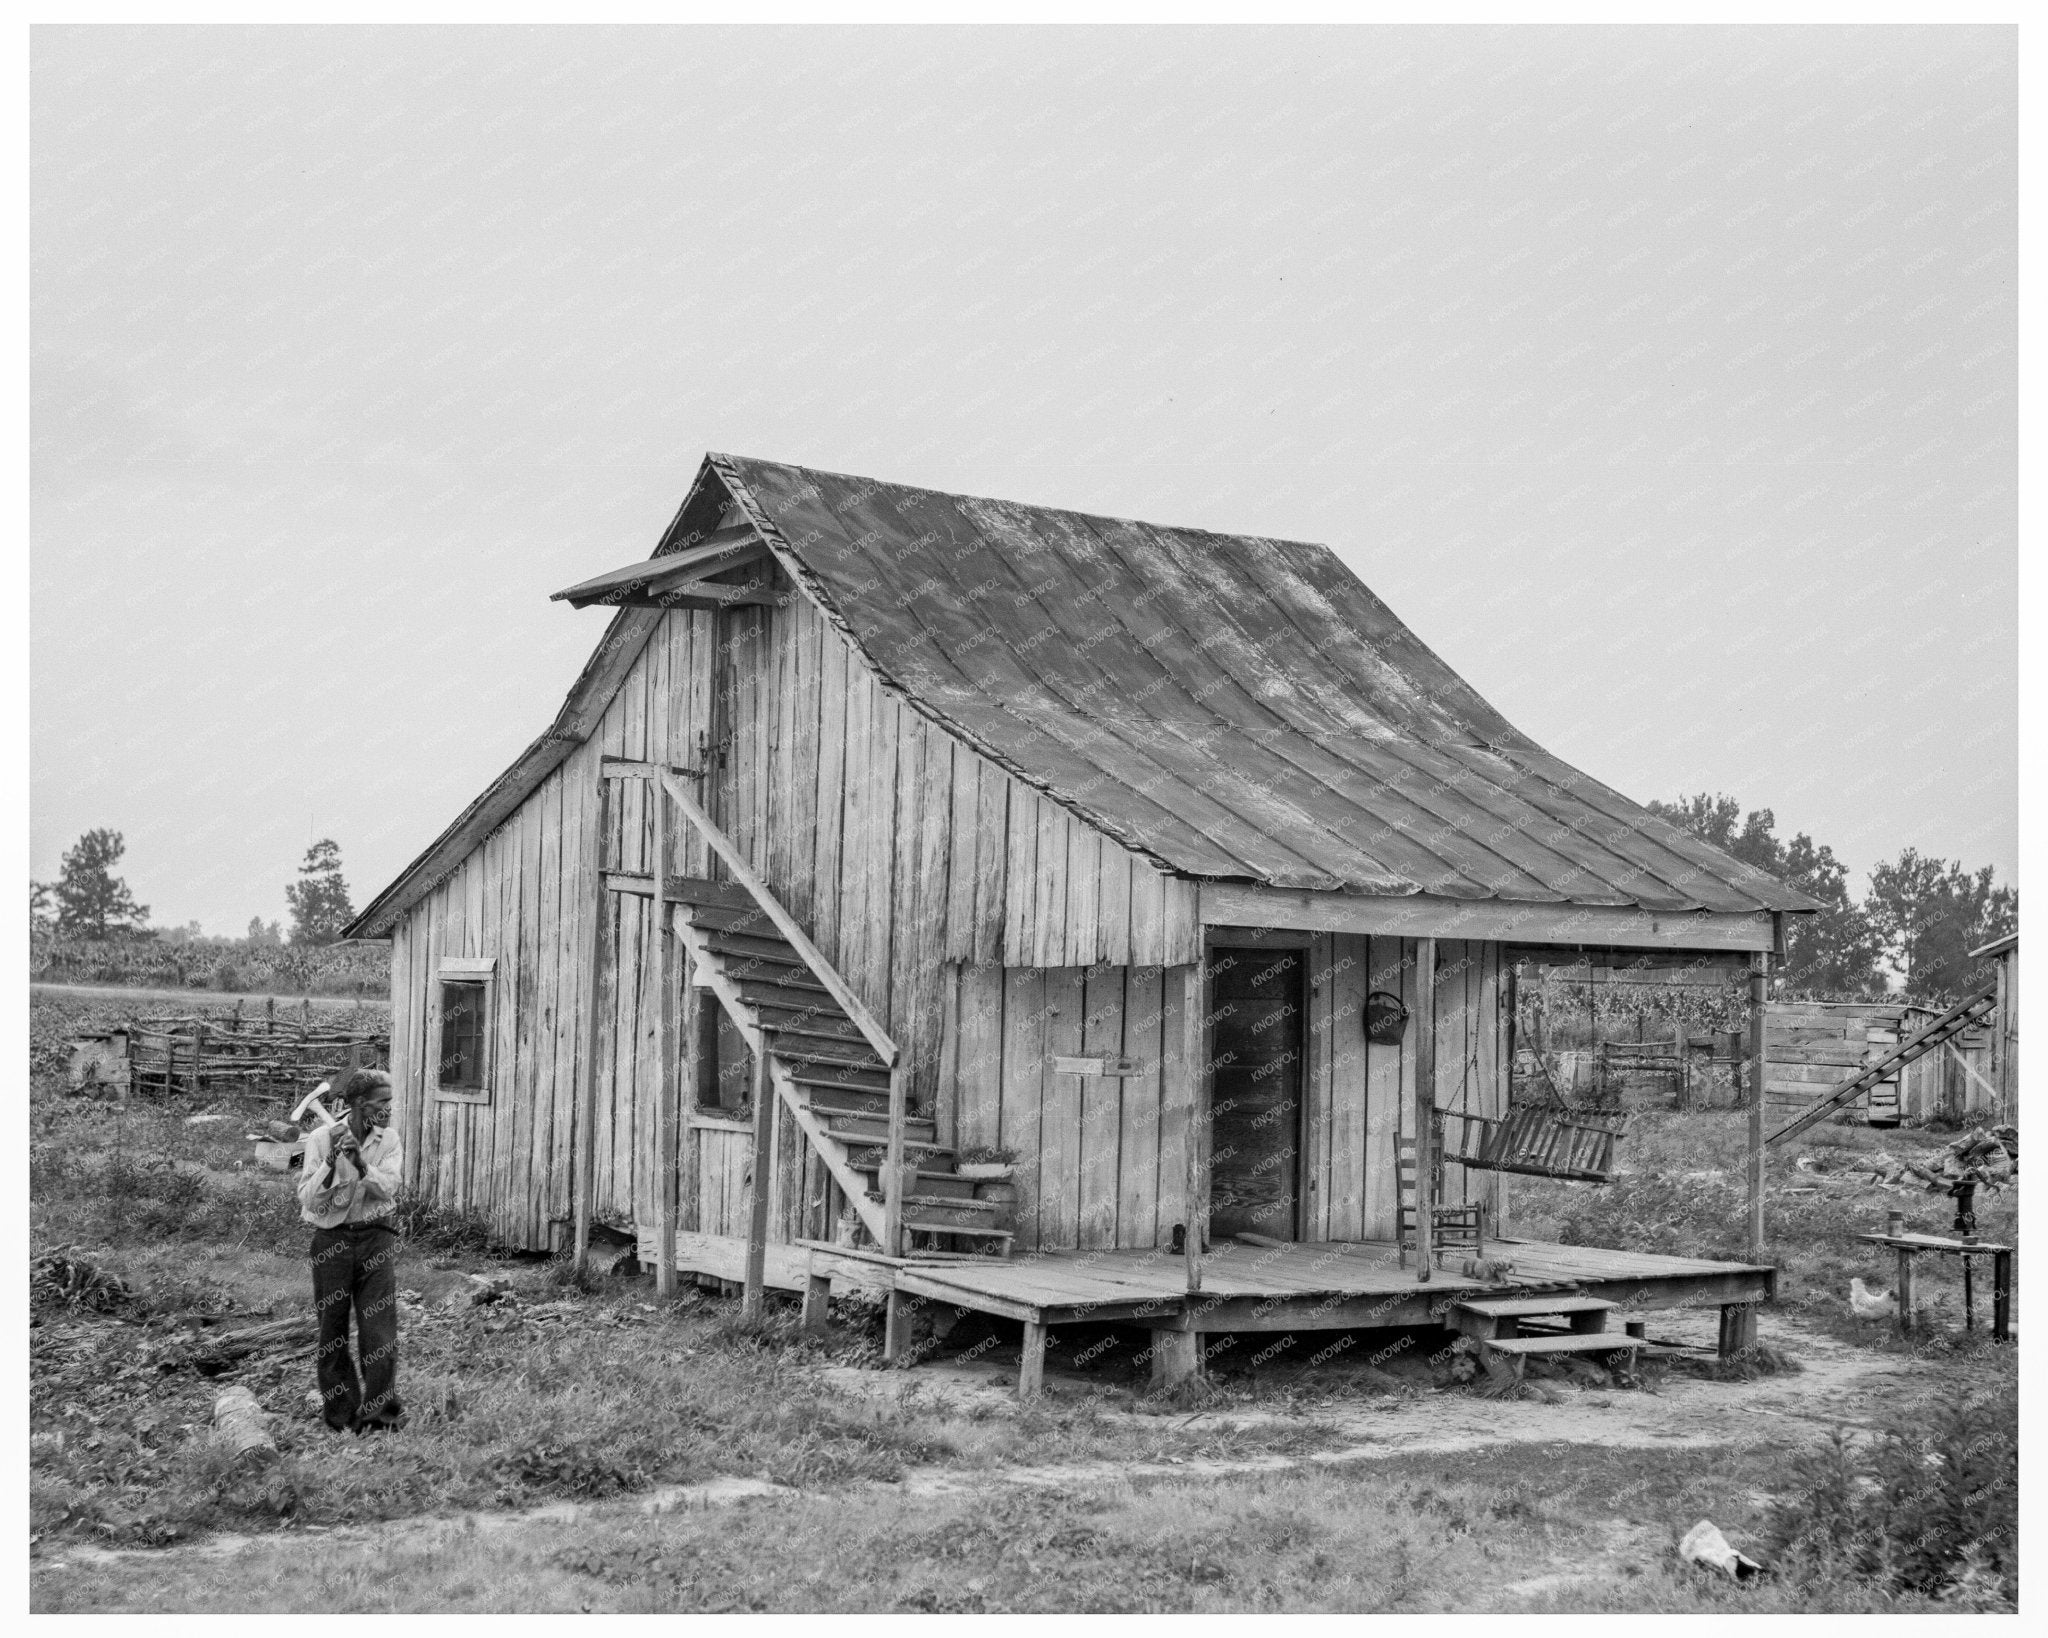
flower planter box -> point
(983, 1171)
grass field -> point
(909, 1498)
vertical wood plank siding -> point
(1102, 1159)
(901, 850)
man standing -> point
(348, 1193)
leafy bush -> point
(1931, 1508)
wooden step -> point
(867, 1131)
(805, 1023)
(1516, 1307)
(864, 1138)
(767, 989)
(932, 1184)
(841, 1080)
(748, 919)
(964, 1233)
(937, 1185)
(1596, 1342)
(753, 947)
(921, 1211)
(933, 1160)
(812, 1053)
(849, 1100)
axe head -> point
(311, 1103)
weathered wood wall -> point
(1102, 1160)
(899, 848)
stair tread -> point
(1515, 1307)
(769, 946)
(955, 1228)
(836, 1083)
(818, 1025)
(861, 1140)
(946, 1202)
(1596, 1342)
(806, 1053)
(799, 996)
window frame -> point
(479, 970)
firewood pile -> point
(1987, 1156)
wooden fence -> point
(163, 1055)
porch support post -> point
(896, 1328)
(1031, 1368)
(1759, 983)
(1195, 1054)
(586, 1065)
(1738, 1330)
(666, 1148)
(1176, 1358)
(817, 1298)
(754, 1297)
(1425, 1106)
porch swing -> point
(1565, 1142)
(1556, 1140)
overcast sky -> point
(1663, 380)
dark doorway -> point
(1259, 1006)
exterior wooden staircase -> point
(833, 1081)
(1950, 1024)
(818, 1051)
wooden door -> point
(1258, 1000)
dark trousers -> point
(355, 1270)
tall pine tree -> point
(92, 902)
(319, 898)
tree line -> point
(89, 901)
(1918, 923)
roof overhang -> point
(1426, 915)
(680, 579)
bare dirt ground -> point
(1836, 1387)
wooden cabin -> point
(885, 825)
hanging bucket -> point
(1385, 1018)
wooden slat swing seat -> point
(1575, 1146)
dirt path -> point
(1837, 1387)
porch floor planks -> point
(1052, 1281)
(1068, 1287)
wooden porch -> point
(1294, 1286)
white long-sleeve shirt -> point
(332, 1191)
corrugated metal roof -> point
(1233, 706)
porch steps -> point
(829, 1075)
(1495, 1324)
(1602, 1342)
(1531, 1307)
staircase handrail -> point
(877, 1038)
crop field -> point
(581, 1447)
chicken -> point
(1871, 1305)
